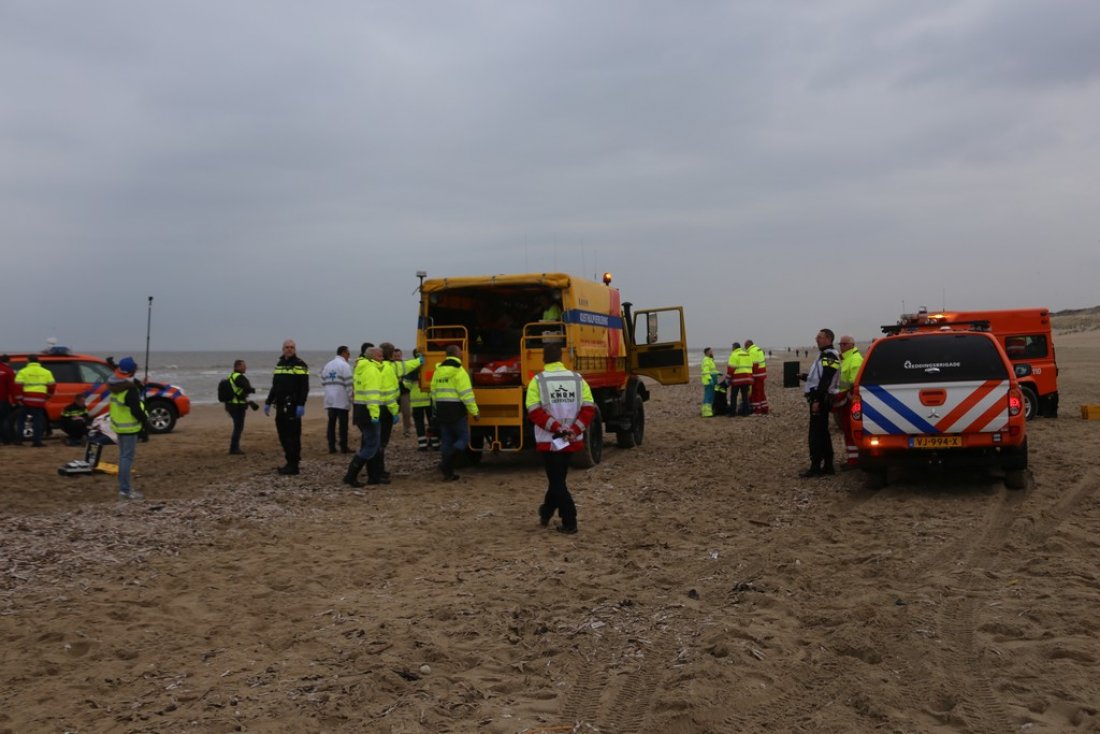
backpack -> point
(225, 391)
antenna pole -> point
(148, 331)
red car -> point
(83, 374)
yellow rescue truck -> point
(502, 322)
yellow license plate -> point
(936, 442)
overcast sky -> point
(282, 169)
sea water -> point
(198, 373)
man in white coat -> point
(337, 380)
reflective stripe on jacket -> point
(368, 382)
(759, 361)
(708, 371)
(452, 392)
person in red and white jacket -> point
(560, 405)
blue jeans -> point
(127, 447)
(454, 437)
(370, 441)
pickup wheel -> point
(634, 435)
(592, 452)
(162, 416)
(1031, 402)
(1016, 478)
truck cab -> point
(501, 324)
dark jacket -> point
(290, 384)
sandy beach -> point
(710, 590)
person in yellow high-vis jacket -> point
(453, 397)
(708, 374)
(127, 413)
(365, 415)
(850, 361)
(758, 399)
(739, 373)
(34, 385)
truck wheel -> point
(162, 416)
(634, 435)
(1031, 402)
(593, 445)
(1016, 478)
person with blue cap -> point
(128, 418)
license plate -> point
(936, 442)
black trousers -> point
(236, 413)
(557, 497)
(743, 392)
(6, 410)
(289, 426)
(337, 416)
(821, 443)
(73, 428)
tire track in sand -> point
(1051, 520)
(629, 712)
(966, 697)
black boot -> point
(374, 472)
(544, 515)
(290, 470)
(352, 477)
(448, 472)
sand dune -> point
(709, 590)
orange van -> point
(1024, 334)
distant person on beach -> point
(560, 405)
(239, 403)
(289, 392)
(708, 373)
(818, 381)
(7, 398)
(758, 398)
(336, 377)
(453, 397)
(128, 418)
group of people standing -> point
(828, 383)
(741, 389)
(381, 383)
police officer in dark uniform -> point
(818, 380)
(289, 390)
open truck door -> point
(657, 344)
